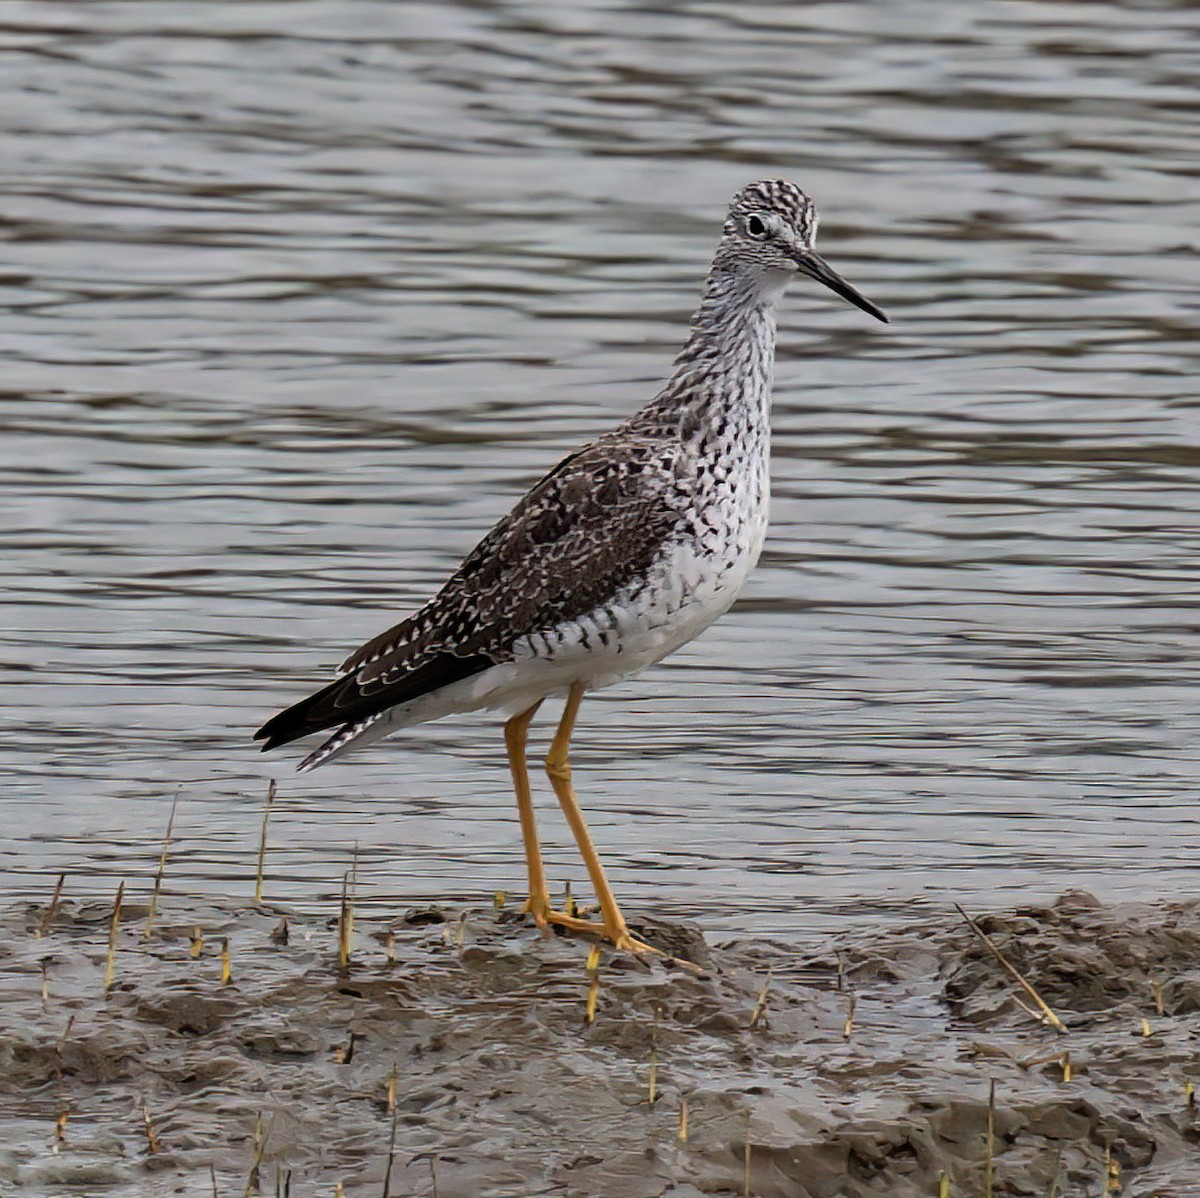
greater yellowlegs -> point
(625, 551)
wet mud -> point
(453, 1055)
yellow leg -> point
(516, 732)
(558, 766)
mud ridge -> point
(453, 1054)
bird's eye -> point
(755, 226)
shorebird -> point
(628, 549)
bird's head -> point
(770, 234)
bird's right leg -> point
(558, 766)
(516, 733)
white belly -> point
(692, 584)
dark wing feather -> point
(588, 528)
(345, 700)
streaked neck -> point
(732, 342)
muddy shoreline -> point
(454, 1050)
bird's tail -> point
(355, 702)
(373, 727)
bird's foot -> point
(618, 936)
(546, 917)
(573, 923)
(626, 942)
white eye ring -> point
(756, 227)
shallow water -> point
(302, 295)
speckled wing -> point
(590, 527)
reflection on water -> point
(301, 296)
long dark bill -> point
(817, 268)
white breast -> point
(693, 582)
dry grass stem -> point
(162, 869)
(746, 1159)
(62, 1040)
(652, 1075)
(979, 1048)
(60, 1127)
(1047, 1016)
(1189, 1095)
(262, 842)
(114, 927)
(1146, 1029)
(226, 963)
(1032, 1012)
(45, 980)
(592, 969)
(345, 1054)
(389, 947)
(260, 1143)
(345, 926)
(1056, 1180)
(848, 1026)
(593, 1000)
(1111, 1182)
(759, 1014)
(498, 900)
(1160, 1001)
(51, 910)
(682, 1134)
(1060, 1058)
(387, 1175)
(197, 945)
(943, 1184)
(391, 1090)
(460, 933)
(151, 1136)
(989, 1159)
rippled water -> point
(301, 295)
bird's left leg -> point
(558, 766)
(516, 733)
